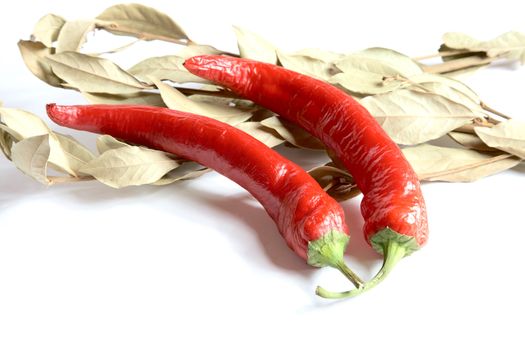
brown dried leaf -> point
(255, 47)
(413, 117)
(140, 21)
(448, 87)
(508, 136)
(381, 61)
(34, 54)
(192, 49)
(470, 141)
(174, 99)
(31, 156)
(186, 171)
(510, 45)
(73, 35)
(164, 68)
(64, 154)
(262, 133)
(359, 82)
(433, 163)
(364, 72)
(338, 183)
(129, 166)
(23, 123)
(295, 135)
(47, 29)
(308, 65)
(93, 74)
(108, 142)
(322, 55)
(76, 155)
(6, 140)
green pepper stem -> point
(328, 250)
(351, 275)
(393, 253)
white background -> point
(200, 265)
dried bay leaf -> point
(93, 74)
(433, 163)
(470, 141)
(31, 156)
(73, 35)
(23, 123)
(186, 171)
(150, 98)
(295, 135)
(321, 55)
(436, 80)
(508, 136)
(6, 141)
(65, 153)
(308, 65)
(463, 54)
(34, 54)
(58, 158)
(47, 29)
(459, 41)
(413, 117)
(192, 49)
(510, 45)
(176, 100)
(338, 183)
(447, 91)
(164, 68)
(253, 46)
(76, 154)
(262, 133)
(359, 82)
(108, 142)
(129, 166)
(366, 72)
(141, 21)
(382, 61)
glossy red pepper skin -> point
(303, 212)
(393, 206)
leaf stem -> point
(458, 64)
(493, 111)
(329, 185)
(440, 54)
(68, 179)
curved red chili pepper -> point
(311, 222)
(393, 206)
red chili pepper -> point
(393, 206)
(311, 222)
